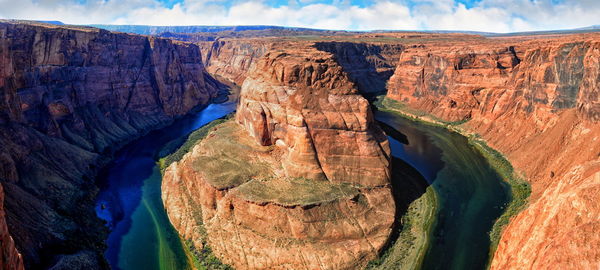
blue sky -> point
(477, 15)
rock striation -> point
(232, 58)
(300, 178)
(69, 97)
(369, 63)
(10, 258)
(536, 100)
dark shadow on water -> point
(121, 182)
(414, 148)
(470, 194)
(407, 186)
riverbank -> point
(520, 189)
(142, 236)
(411, 240)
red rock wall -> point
(302, 99)
(232, 58)
(10, 259)
(537, 102)
(369, 65)
(68, 97)
(298, 100)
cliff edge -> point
(300, 178)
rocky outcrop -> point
(535, 100)
(368, 64)
(302, 101)
(232, 58)
(300, 180)
(69, 97)
(10, 258)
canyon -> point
(532, 98)
(70, 97)
(300, 176)
(536, 101)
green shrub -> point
(192, 139)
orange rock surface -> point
(10, 259)
(231, 59)
(327, 206)
(69, 97)
(536, 100)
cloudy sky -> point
(479, 15)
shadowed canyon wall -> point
(70, 97)
(318, 195)
(369, 65)
(535, 100)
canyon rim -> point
(268, 147)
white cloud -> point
(486, 15)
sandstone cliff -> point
(232, 58)
(535, 100)
(299, 181)
(9, 256)
(69, 97)
(369, 64)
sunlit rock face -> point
(68, 97)
(232, 58)
(303, 172)
(536, 100)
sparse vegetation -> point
(406, 111)
(191, 140)
(520, 189)
(408, 250)
(204, 259)
(296, 191)
(229, 160)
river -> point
(130, 201)
(470, 194)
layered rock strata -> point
(9, 255)
(536, 100)
(232, 58)
(69, 97)
(300, 179)
(369, 64)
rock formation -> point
(69, 97)
(327, 206)
(10, 259)
(369, 64)
(536, 100)
(232, 58)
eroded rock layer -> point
(300, 179)
(68, 97)
(9, 256)
(231, 58)
(369, 64)
(536, 100)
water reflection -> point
(130, 202)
